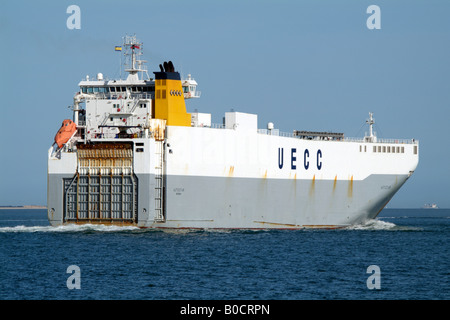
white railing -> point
(275, 132)
(196, 94)
(379, 140)
(217, 126)
(120, 95)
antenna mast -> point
(133, 49)
(370, 122)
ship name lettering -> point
(293, 158)
(306, 159)
(319, 163)
(306, 162)
(280, 158)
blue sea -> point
(403, 254)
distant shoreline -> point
(23, 207)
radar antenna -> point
(134, 49)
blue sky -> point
(306, 65)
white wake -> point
(68, 228)
(376, 224)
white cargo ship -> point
(133, 155)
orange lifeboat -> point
(66, 131)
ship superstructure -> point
(137, 157)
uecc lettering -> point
(294, 158)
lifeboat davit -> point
(66, 131)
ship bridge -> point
(124, 108)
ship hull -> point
(226, 179)
(207, 202)
(243, 203)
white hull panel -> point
(220, 178)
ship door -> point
(104, 189)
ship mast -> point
(372, 137)
(133, 48)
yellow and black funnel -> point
(169, 97)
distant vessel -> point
(138, 158)
(430, 206)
